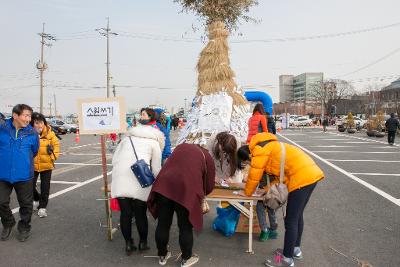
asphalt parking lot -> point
(355, 211)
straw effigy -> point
(215, 73)
(215, 78)
(217, 93)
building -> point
(390, 98)
(304, 84)
(300, 87)
(286, 88)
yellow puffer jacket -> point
(300, 169)
(44, 161)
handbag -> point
(142, 170)
(277, 194)
(205, 208)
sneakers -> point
(267, 235)
(191, 261)
(42, 213)
(272, 234)
(163, 259)
(279, 260)
(298, 255)
(35, 205)
(23, 235)
(263, 236)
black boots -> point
(143, 246)
(5, 234)
(130, 247)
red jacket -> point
(181, 180)
(254, 125)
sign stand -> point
(103, 116)
(106, 193)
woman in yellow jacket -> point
(301, 176)
(44, 162)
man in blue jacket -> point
(19, 144)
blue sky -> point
(148, 64)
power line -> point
(372, 63)
(156, 37)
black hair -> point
(36, 116)
(225, 147)
(260, 108)
(243, 154)
(150, 112)
(19, 108)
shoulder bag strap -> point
(205, 175)
(282, 166)
(134, 150)
(283, 158)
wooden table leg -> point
(251, 228)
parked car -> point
(70, 128)
(359, 123)
(302, 121)
(58, 128)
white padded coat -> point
(148, 142)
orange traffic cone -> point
(77, 138)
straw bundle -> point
(215, 73)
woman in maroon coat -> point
(187, 176)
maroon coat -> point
(181, 180)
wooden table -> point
(235, 200)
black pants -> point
(133, 207)
(25, 198)
(294, 224)
(43, 196)
(391, 136)
(166, 209)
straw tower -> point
(215, 75)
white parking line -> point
(80, 164)
(87, 154)
(375, 174)
(364, 139)
(351, 176)
(364, 160)
(332, 146)
(75, 147)
(357, 152)
(59, 193)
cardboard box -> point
(243, 224)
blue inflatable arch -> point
(258, 96)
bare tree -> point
(330, 92)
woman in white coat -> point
(132, 198)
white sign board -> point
(215, 113)
(102, 115)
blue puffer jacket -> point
(17, 151)
(167, 148)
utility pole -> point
(41, 65)
(323, 98)
(50, 109)
(114, 91)
(55, 105)
(106, 33)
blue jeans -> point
(262, 218)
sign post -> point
(103, 116)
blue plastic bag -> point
(226, 221)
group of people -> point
(28, 150)
(190, 172)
